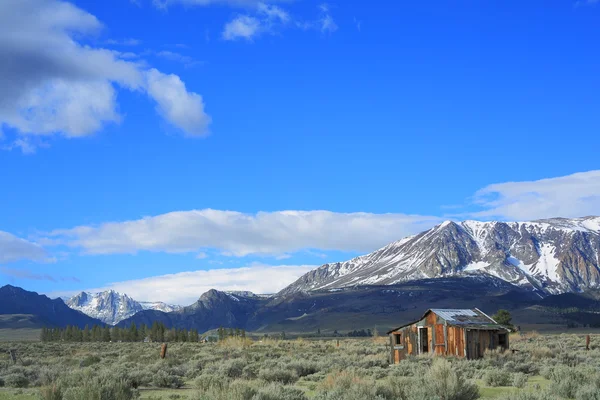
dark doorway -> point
(424, 340)
(502, 341)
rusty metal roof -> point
(464, 316)
(468, 318)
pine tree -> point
(86, 334)
(133, 333)
(106, 334)
(142, 333)
(161, 332)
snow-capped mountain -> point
(553, 255)
(112, 307)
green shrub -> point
(526, 395)
(278, 375)
(207, 382)
(16, 380)
(497, 377)
(89, 360)
(164, 379)
(304, 368)
(279, 392)
(588, 392)
(519, 380)
(52, 392)
(443, 381)
(233, 368)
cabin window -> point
(502, 340)
(397, 339)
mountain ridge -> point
(112, 307)
(553, 255)
(49, 312)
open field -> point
(20, 335)
(544, 367)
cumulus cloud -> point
(239, 234)
(184, 288)
(13, 248)
(183, 109)
(53, 84)
(566, 196)
(243, 26)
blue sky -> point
(245, 142)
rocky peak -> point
(554, 255)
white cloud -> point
(324, 23)
(187, 61)
(273, 12)
(233, 3)
(124, 42)
(566, 196)
(53, 84)
(266, 233)
(184, 288)
(243, 26)
(13, 249)
(181, 108)
(267, 20)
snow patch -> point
(476, 266)
(547, 265)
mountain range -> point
(546, 272)
(112, 307)
(553, 256)
(39, 310)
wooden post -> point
(338, 343)
(587, 342)
(13, 356)
(163, 350)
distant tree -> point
(142, 332)
(503, 317)
(106, 334)
(85, 335)
(133, 332)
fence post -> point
(163, 350)
(587, 342)
(13, 356)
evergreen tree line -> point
(224, 333)
(361, 333)
(155, 333)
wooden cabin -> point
(449, 332)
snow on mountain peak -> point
(112, 307)
(555, 255)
